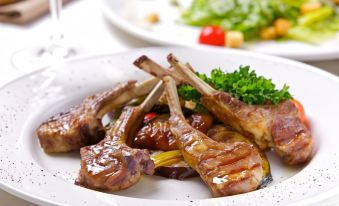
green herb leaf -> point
(242, 84)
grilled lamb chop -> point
(227, 168)
(112, 164)
(81, 125)
(277, 126)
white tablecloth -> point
(88, 32)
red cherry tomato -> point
(302, 113)
(148, 117)
(212, 35)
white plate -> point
(129, 16)
(29, 173)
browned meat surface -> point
(202, 122)
(81, 125)
(227, 168)
(112, 164)
(277, 126)
(226, 134)
(156, 135)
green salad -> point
(302, 20)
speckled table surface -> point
(94, 36)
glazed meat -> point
(202, 122)
(226, 134)
(82, 125)
(277, 126)
(156, 135)
(227, 168)
(112, 164)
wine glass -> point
(28, 59)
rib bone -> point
(227, 169)
(81, 125)
(139, 90)
(149, 66)
(112, 164)
(277, 126)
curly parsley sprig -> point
(242, 84)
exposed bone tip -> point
(171, 57)
(132, 81)
(140, 60)
(167, 79)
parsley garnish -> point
(242, 84)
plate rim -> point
(39, 200)
(138, 32)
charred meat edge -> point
(81, 125)
(112, 164)
(277, 126)
(227, 169)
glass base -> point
(33, 58)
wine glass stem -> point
(57, 31)
(58, 49)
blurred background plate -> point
(129, 16)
